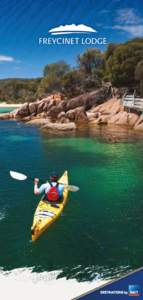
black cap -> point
(54, 174)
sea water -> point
(99, 234)
(6, 109)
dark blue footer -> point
(128, 287)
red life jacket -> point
(53, 193)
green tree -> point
(90, 61)
(57, 69)
(49, 84)
(110, 50)
(72, 83)
(18, 90)
(108, 61)
(121, 62)
(139, 75)
(52, 80)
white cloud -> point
(128, 16)
(4, 58)
(72, 29)
(129, 21)
(134, 30)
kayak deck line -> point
(48, 214)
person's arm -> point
(36, 189)
(41, 189)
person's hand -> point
(36, 180)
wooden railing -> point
(131, 101)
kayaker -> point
(53, 190)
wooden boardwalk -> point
(130, 101)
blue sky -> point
(23, 22)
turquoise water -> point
(100, 232)
(6, 109)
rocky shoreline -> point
(93, 110)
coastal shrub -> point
(91, 61)
(139, 75)
(121, 61)
(18, 90)
(120, 64)
(57, 69)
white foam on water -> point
(2, 215)
(22, 283)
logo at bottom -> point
(134, 290)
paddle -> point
(21, 176)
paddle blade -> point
(18, 176)
(73, 188)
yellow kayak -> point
(46, 213)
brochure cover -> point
(71, 163)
